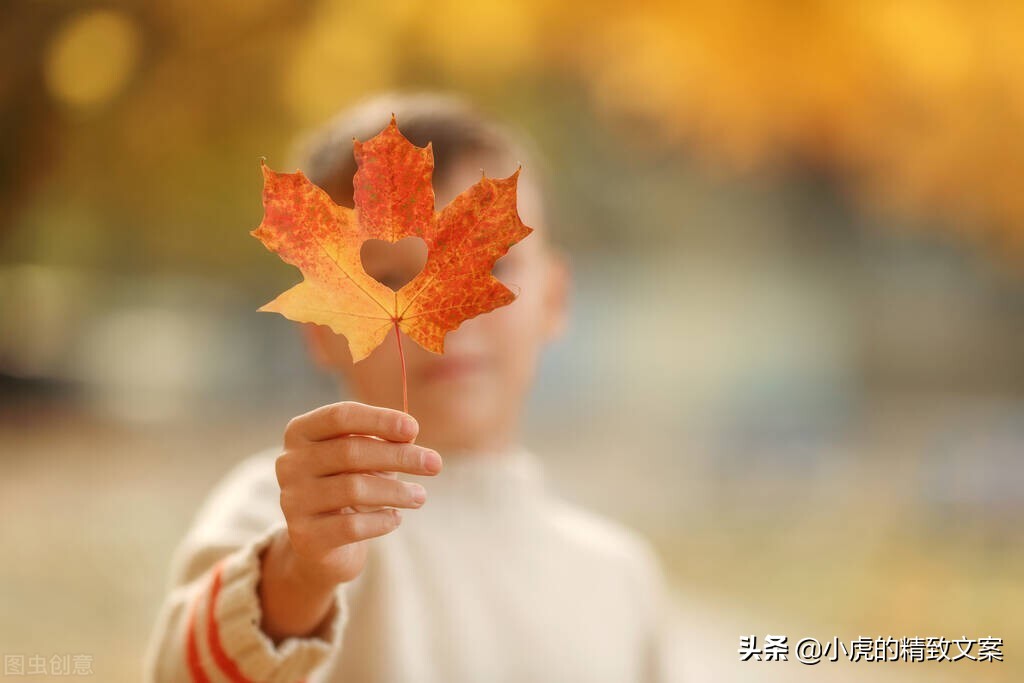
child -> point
(300, 565)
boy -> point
(300, 566)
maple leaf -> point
(394, 199)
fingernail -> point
(418, 493)
(432, 462)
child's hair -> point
(454, 126)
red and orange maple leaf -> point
(394, 199)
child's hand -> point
(337, 491)
(334, 494)
(338, 488)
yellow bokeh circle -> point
(91, 57)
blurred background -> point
(797, 232)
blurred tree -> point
(915, 106)
(28, 123)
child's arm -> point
(255, 595)
(208, 628)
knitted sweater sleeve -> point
(208, 628)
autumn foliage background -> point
(797, 350)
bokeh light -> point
(92, 56)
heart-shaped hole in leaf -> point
(394, 264)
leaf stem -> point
(405, 387)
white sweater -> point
(493, 580)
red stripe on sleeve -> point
(226, 664)
(195, 666)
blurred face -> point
(470, 398)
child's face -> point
(470, 397)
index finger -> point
(349, 417)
